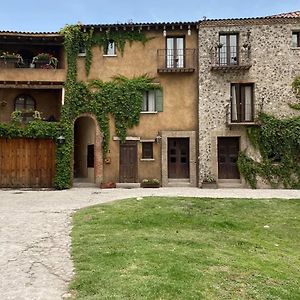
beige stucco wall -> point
(274, 66)
(180, 92)
(48, 102)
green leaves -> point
(279, 145)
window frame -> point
(106, 49)
(228, 52)
(146, 98)
(240, 98)
(27, 114)
(149, 155)
(297, 33)
(172, 62)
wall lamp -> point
(61, 140)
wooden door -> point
(128, 161)
(178, 158)
(27, 162)
(228, 150)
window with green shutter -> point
(152, 101)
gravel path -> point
(35, 226)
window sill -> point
(81, 54)
(241, 123)
(148, 112)
(109, 55)
(295, 48)
(147, 159)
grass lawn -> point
(187, 248)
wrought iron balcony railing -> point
(230, 58)
(176, 60)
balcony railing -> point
(176, 60)
(230, 58)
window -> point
(152, 101)
(295, 39)
(242, 102)
(175, 52)
(147, 150)
(228, 46)
(82, 49)
(110, 48)
(25, 104)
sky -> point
(39, 16)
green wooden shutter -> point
(159, 101)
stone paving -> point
(35, 231)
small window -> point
(110, 48)
(149, 101)
(296, 39)
(152, 101)
(242, 103)
(147, 150)
(82, 50)
(25, 104)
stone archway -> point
(88, 153)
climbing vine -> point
(121, 98)
(278, 141)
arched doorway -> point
(87, 150)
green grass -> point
(187, 248)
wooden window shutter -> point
(159, 100)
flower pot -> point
(8, 63)
(42, 64)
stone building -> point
(246, 66)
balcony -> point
(176, 60)
(230, 58)
(24, 70)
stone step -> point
(128, 185)
(230, 183)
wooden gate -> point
(128, 161)
(27, 162)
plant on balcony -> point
(150, 183)
(13, 57)
(45, 61)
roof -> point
(278, 18)
(290, 15)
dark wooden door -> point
(128, 161)
(27, 162)
(178, 158)
(228, 150)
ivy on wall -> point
(121, 98)
(278, 141)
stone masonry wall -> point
(274, 66)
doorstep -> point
(127, 185)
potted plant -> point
(10, 59)
(150, 183)
(209, 182)
(45, 61)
